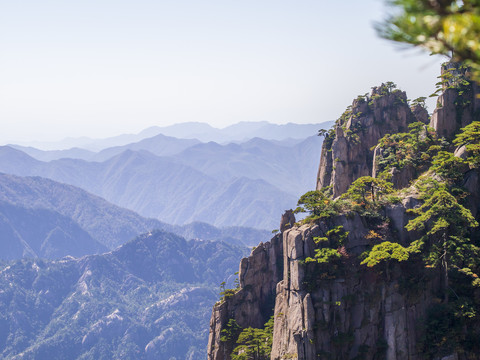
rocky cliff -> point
(458, 104)
(347, 152)
(342, 309)
(358, 313)
(253, 303)
(352, 315)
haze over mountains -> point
(191, 130)
(43, 218)
(160, 145)
(180, 181)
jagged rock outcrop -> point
(357, 314)
(420, 113)
(458, 105)
(344, 310)
(347, 153)
(288, 220)
(253, 303)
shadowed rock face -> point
(345, 316)
(350, 154)
(357, 312)
(288, 220)
(456, 106)
(253, 304)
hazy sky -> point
(104, 67)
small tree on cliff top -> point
(366, 190)
(384, 253)
(318, 204)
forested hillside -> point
(148, 299)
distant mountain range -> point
(192, 130)
(43, 218)
(241, 131)
(246, 184)
(159, 145)
(149, 299)
(33, 233)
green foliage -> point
(470, 137)
(385, 252)
(329, 136)
(324, 256)
(448, 166)
(454, 76)
(329, 254)
(365, 192)
(446, 27)
(475, 280)
(227, 293)
(254, 344)
(385, 88)
(420, 101)
(318, 204)
(337, 236)
(334, 238)
(414, 149)
(445, 225)
(322, 132)
(342, 120)
(231, 331)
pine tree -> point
(445, 224)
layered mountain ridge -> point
(181, 181)
(43, 218)
(189, 130)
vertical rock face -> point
(288, 220)
(347, 154)
(252, 305)
(357, 315)
(458, 105)
(420, 113)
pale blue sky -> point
(101, 68)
